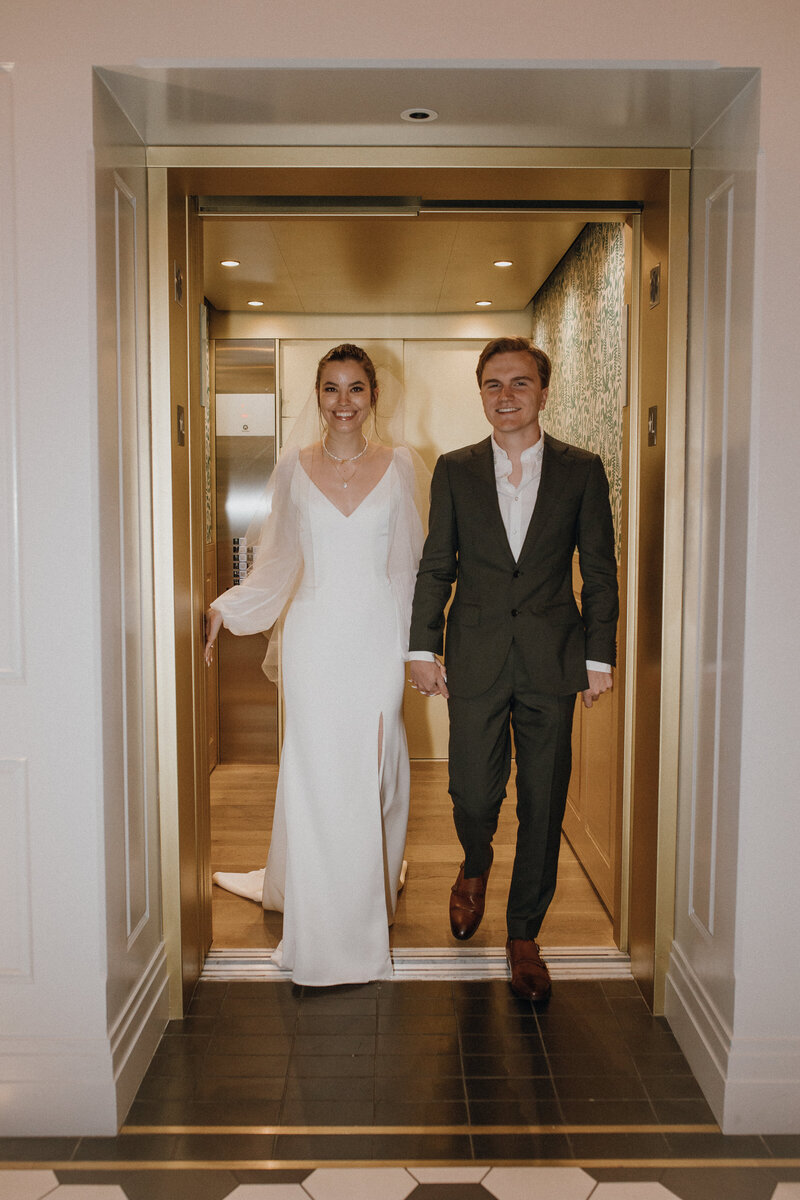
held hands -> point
(213, 622)
(599, 682)
(428, 678)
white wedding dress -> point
(341, 807)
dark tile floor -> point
(419, 1054)
(268, 1077)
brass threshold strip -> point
(285, 1164)
(378, 1130)
(433, 963)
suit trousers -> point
(480, 766)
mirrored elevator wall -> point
(244, 404)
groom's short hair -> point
(515, 345)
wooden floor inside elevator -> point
(242, 799)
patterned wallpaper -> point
(578, 319)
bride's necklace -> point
(343, 462)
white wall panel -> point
(10, 599)
(703, 977)
(16, 947)
(136, 959)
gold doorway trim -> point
(578, 164)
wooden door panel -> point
(590, 821)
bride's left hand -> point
(213, 622)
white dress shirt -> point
(516, 509)
(517, 503)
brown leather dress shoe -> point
(530, 978)
(467, 900)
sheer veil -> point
(273, 532)
(385, 426)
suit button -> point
(517, 574)
(515, 612)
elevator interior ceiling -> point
(362, 239)
(370, 265)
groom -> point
(506, 516)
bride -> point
(340, 546)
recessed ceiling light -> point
(503, 262)
(230, 262)
(483, 303)
(256, 303)
(419, 115)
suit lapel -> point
(554, 474)
(481, 466)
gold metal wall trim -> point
(432, 1130)
(672, 594)
(213, 207)
(632, 580)
(669, 158)
(163, 579)
(289, 1164)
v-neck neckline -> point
(363, 499)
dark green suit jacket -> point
(531, 601)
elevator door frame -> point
(676, 164)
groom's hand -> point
(428, 677)
(599, 682)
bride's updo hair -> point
(347, 352)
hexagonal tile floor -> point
(418, 1183)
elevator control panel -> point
(242, 559)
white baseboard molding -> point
(449, 962)
(702, 1034)
(752, 1084)
(137, 1030)
(762, 1094)
(83, 1087)
(56, 1087)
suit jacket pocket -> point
(563, 651)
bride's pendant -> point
(344, 473)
